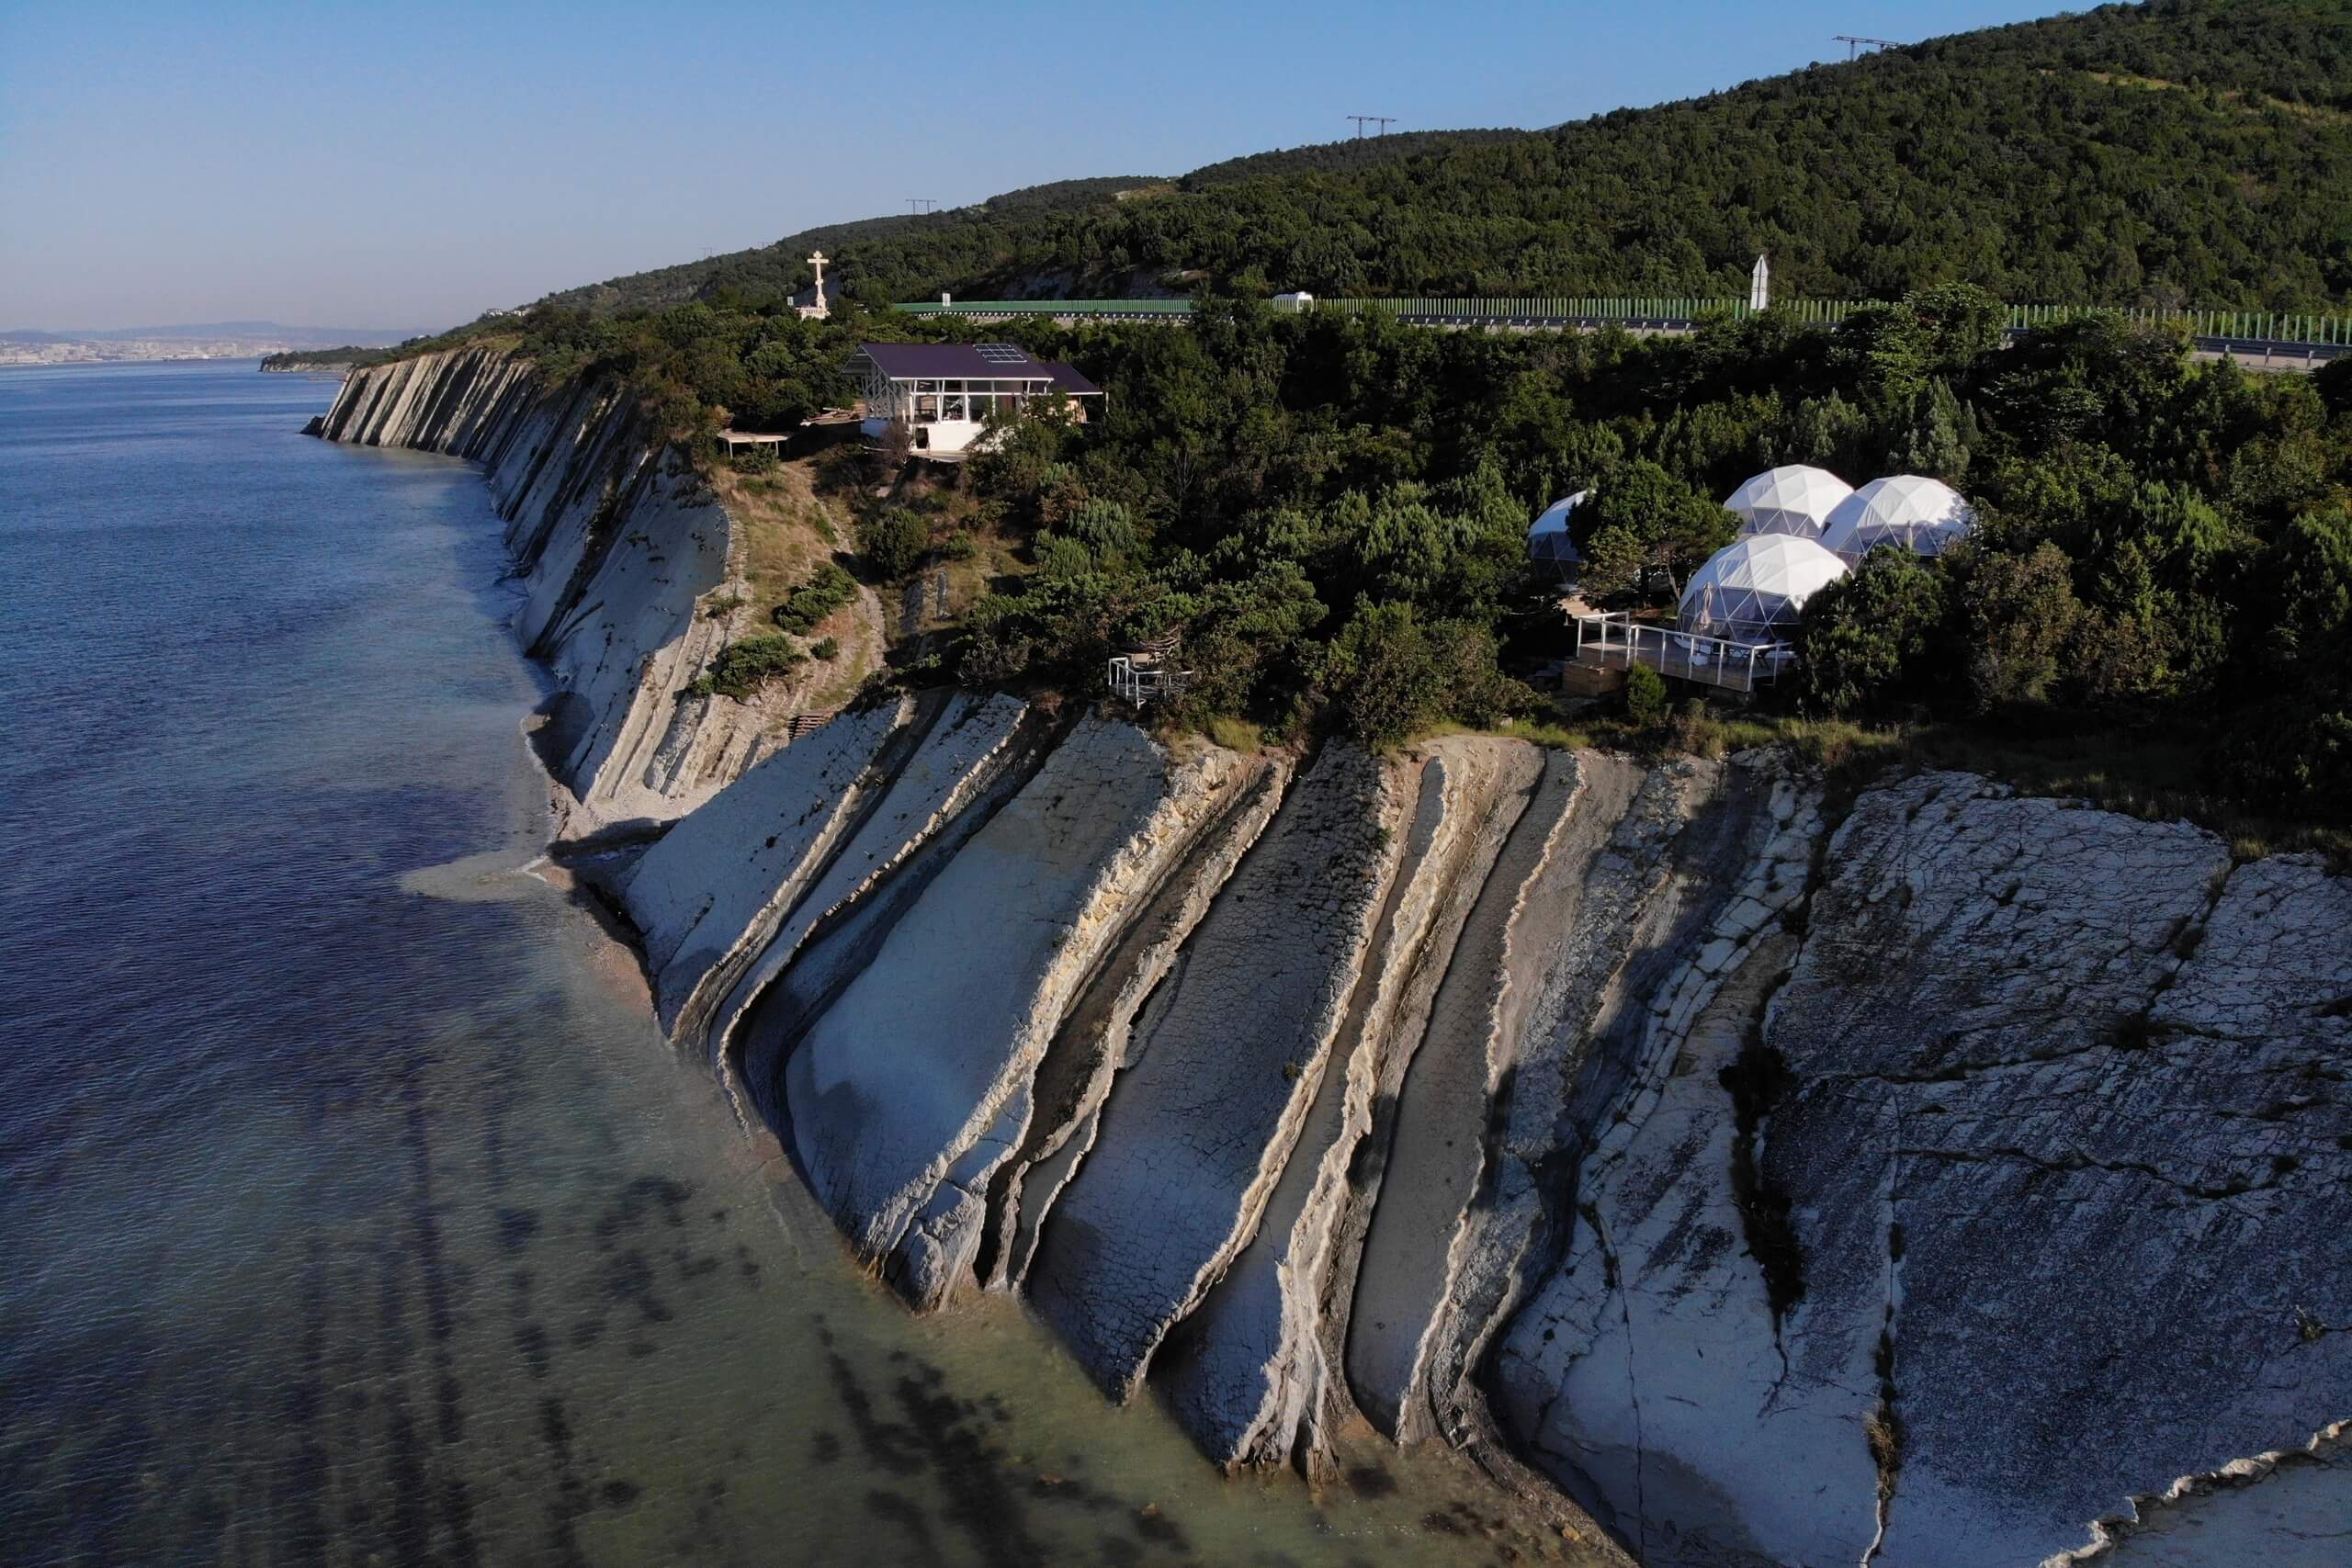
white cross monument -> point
(817, 312)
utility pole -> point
(920, 204)
(1381, 120)
(1854, 46)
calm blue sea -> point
(346, 1221)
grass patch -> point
(787, 533)
(1235, 734)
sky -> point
(407, 167)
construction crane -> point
(1381, 120)
(1855, 46)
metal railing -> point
(1097, 310)
(1140, 681)
(1616, 640)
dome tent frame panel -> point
(1754, 590)
(1795, 498)
(1923, 515)
(1549, 542)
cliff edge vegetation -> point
(1331, 514)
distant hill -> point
(780, 268)
(2181, 151)
(371, 337)
(1344, 156)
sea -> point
(352, 1210)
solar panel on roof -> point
(1002, 353)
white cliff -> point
(1202, 1120)
(622, 550)
(1940, 1190)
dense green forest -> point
(2186, 151)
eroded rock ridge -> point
(1919, 1192)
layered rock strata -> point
(1257, 1371)
(1202, 1123)
(1938, 1188)
(916, 1083)
(1966, 1185)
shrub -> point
(1104, 528)
(744, 666)
(1384, 675)
(894, 543)
(827, 590)
(824, 647)
(1867, 638)
(1644, 694)
(1642, 519)
(2022, 615)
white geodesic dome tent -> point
(1924, 516)
(1548, 537)
(1754, 590)
(1796, 499)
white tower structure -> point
(1759, 285)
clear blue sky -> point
(410, 164)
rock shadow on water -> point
(556, 727)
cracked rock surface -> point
(2053, 1102)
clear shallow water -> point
(348, 1223)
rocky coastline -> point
(1921, 1181)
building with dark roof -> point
(943, 391)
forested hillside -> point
(2183, 151)
(898, 247)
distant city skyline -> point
(412, 167)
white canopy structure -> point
(1547, 536)
(1796, 499)
(1754, 590)
(1924, 516)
